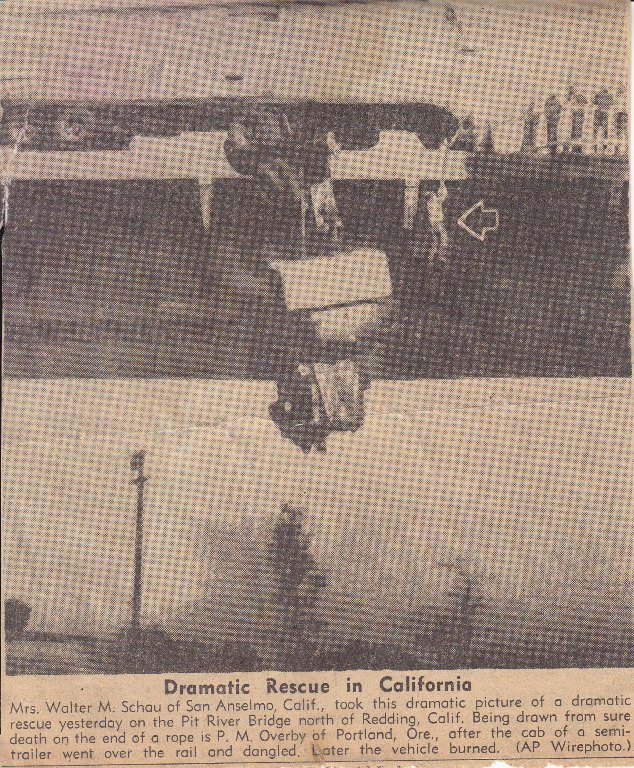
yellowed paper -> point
(317, 415)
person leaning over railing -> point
(552, 113)
(260, 145)
(263, 145)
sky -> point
(400, 50)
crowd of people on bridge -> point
(576, 123)
(594, 124)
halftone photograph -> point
(316, 335)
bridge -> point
(398, 156)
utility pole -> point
(136, 465)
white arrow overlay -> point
(462, 221)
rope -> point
(5, 197)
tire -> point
(74, 127)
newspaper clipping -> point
(317, 415)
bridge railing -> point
(398, 156)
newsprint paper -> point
(317, 425)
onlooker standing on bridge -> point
(621, 122)
(603, 102)
(564, 128)
(488, 142)
(552, 113)
(579, 103)
(531, 124)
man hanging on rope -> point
(436, 216)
